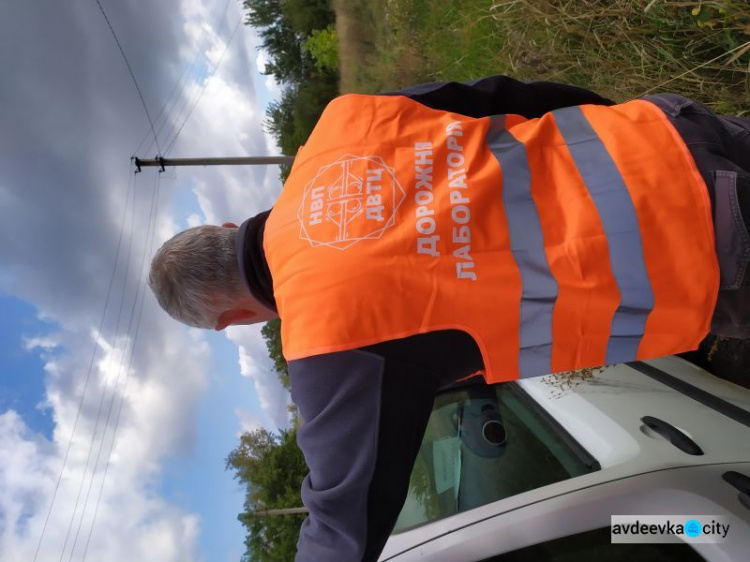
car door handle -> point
(738, 480)
(742, 483)
(673, 435)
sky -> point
(115, 420)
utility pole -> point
(162, 162)
(224, 161)
(285, 511)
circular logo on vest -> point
(354, 198)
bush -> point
(323, 47)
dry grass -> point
(354, 24)
(620, 48)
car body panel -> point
(604, 415)
(689, 491)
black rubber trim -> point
(574, 446)
(674, 435)
(706, 398)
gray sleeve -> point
(338, 396)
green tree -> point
(271, 333)
(323, 46)
(272, 469)
(283, 27)
(287, 61)
(310, 102)
(292, 118)
(305, 16)
(309, 75)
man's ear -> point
(229, 225)
(230, 317)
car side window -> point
(596, 545)
(485, 443)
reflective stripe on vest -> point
(620, 223)
(578, 239)
(527, 244)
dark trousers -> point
(720, 146)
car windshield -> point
(484, 443)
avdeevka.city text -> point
(668, 528)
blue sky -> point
(198, 482)
(72, 118)
(22, 374)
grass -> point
(619, 48)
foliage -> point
(619, 48)
(292, 118)
(323, 46)
(272, 468)
(271, 333)
(730, 15)
(283, 27)
(296, 37)
(287, 62)
(307, 16)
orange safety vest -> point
(578, 239)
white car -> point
(533, 470)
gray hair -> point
(195, 276)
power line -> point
(150, 232)
(205, 85)
(91, 363)
(104, 312)
(132, 74)
(174, 95)
(101, 399)
(174, 99)
(140, 282)
(171, 99)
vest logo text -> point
(354, 198)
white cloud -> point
(272, 86)
(248, 421)
(206, 203)
(152, 426)
(67, 154)
(227, 122)
(24, 484)
(46, 343)
(194, 220)
(258, 367)
(260, 60)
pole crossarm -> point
(222, 161)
